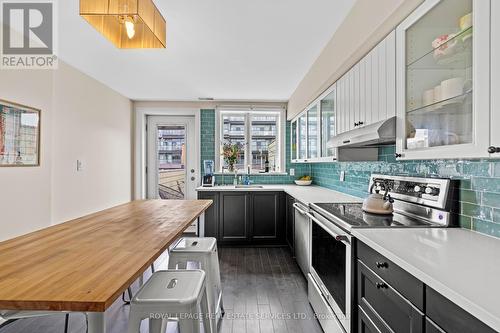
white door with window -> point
(171, 157)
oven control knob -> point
(417, 189)
(431, 191)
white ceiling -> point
(225, 49)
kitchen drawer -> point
(377, 296)
(406, 284)
(432, 327)
(367, 324)
(450, 317)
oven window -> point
(329, 262)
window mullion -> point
(248, 138)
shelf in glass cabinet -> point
(458, 56)
(453, 105)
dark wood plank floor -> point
(264, 291)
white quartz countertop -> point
(304, 194)
(462, 265)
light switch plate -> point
(292, 172)
(342, 176)
(79, 165)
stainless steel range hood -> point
(380, 133)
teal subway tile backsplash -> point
(479, 180)
(486, 227)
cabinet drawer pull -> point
(397, 155)
(381, 285)
(382, 264)
(493, 150)
(360, 123)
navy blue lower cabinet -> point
(450, 317)
(245, 218)
(381, 301)
(432, 327)
(211, 214)
(367, 324)
(390, 300)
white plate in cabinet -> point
(443, 81)
(495, 78)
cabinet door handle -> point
(397, 155)
(493, 150)
(360, 123)
(381, 285)
(382, 264)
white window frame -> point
(248, 112)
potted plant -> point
(231, 152)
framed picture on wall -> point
(19, 135)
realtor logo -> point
(28, 35)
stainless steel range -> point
(417, 203)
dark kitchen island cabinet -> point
(246, 218)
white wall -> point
(25, 191)
(367, 23)
(91, 123)
(81, 118)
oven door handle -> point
(298, 208)
(337, 237)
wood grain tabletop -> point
(86, 263)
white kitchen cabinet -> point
(495, 78)
(313, 128)
(293, 140)
(302, 137)
(443, 81)
(328, 121)
(313, 132)
(367, 92)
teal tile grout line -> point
(479, 180)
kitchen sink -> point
(249, 186)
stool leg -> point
(189, 325)
(217, 283)
(155, 326)
(66, 323)
(129, 292)
(209, 321)
(134, 322)
(206, 265)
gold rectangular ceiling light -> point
(129, 24)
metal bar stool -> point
(202, 250)
(169, 295)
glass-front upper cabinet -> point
(293, 140)
(312, 132)
(328, 122)
(302, 137)
(443, 80)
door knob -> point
(493, 150)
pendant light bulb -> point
(130, 27)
